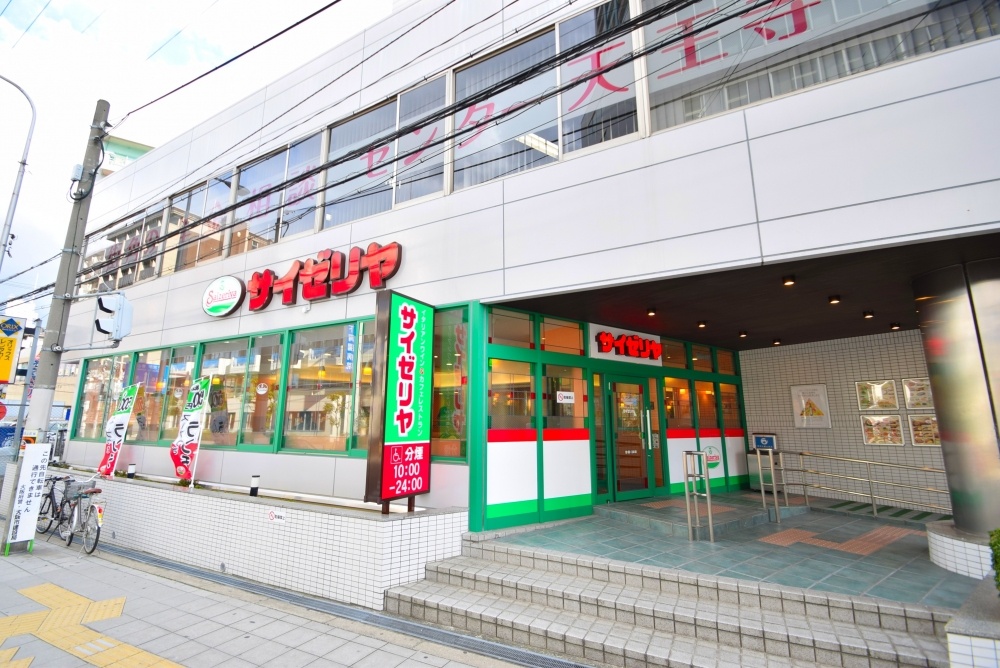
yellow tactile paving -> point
(101, 610)
(62, 626)
(53, 597)
(7, 659)
(677, 503)
(863, 545)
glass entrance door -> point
(629, 430)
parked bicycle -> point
(81, 513)
(52, 497)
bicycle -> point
(49, 509)
(80, 513)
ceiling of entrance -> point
(756, 301)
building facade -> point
(646, 228)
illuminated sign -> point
(223, 296)
(399, 458)
(613, 343)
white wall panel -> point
(229, 139)
(968, 210)
(157, 179)
(449, 487)
(676, 447)
(566, 468)
(511, 472)
(736, 455)
(110, 200)
(907, 80)
(671, 199)
(928, 143)
(349, 480)
(521, 17)
(697, 253)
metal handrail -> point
(774, 481)
(697, 460)
(872, 482)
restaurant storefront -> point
(552, 416)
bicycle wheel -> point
(91, 531)
(69, 522)
(45, 515)
(62, 520)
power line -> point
(179, 31)
(233, 59)
(37, 16)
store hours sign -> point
(399, 455)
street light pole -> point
(5, 236)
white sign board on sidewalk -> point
(28, 493)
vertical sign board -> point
(399, 453)
(184, 449)
(28, 494)
(11, 333)
(115, 428)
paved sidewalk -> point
(60, 608)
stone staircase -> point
(611, 612)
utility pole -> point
(69, 265)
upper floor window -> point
(602, 107)
(420, 171)
(507, 132)
(360, 186)
(257, 220)
(130, 255)
(301, 198)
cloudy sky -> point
(67, 54)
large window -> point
(257, 220)
(103, 381)
(561, 336)
(451, 370)
(301, 198)
(127, 255)
(201, 238)
(677, 403)
(603, 107)
(178, 383)
(318, 399)
(421, 171)
(491, 142)
(730, 406)
(360, 186)
(510, 328)
(565, 397)
(226, 363)
(708, 414)
(363, 397)
(789, 45)
(151, 370)
(511, 402)
(260, 399)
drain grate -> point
(494, 650)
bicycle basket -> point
(74, 488)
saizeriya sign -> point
(329, 274)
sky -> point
(68, 54)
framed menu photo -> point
(810, 407)
(924, 430)
(882, 429)
(917, 392)
(877, 395)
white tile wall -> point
(769, 373)
(345, 555)
(958, 556)
(972, 652)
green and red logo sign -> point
(712, 456)
(223, 296)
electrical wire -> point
(174, 36)
(233, 59)
(156, 197)
(37, 16)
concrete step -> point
(786, 624)
(576, 635)
(674, 523)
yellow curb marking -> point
(62, 626)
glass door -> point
(628, 418)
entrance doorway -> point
(629, 441)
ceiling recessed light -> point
(868, 314)
(702, 324)
(834, 299)
(651, 311)
(743, 334)
(894, 326)
(788, 280)
(777, 342)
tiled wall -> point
(972, 652)
(346, 555)
(769, 373)
(960, 556)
